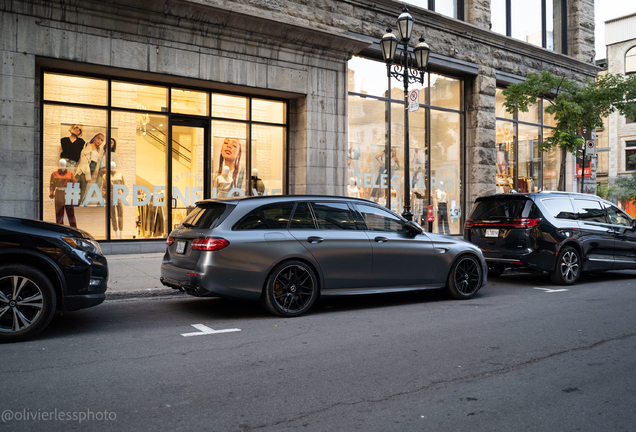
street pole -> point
(407, 180)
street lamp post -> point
(409, 69)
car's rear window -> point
(502, 208)
(207, 215)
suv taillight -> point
(527, 223)
(209, 244)
(468, 223)
(170, 241)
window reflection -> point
(445, 92)
(529, 159)
(505, 159)
(230, 107)
(73, 143)
(368, 77)
(268, 111)
(189, 102)
(526, 21)
(500, 109)
(138, 96)
(267, 160)
(445, 171)
(75, 89)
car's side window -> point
(378, 219)
(617, 216)
(333, 215)
(302, 218)
(271, 216)
(560, 208)
(589, 211)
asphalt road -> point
(514, 358)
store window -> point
(520, 166)
(630, 61)
(376, 153)
(630, 155)
(134, 163)
(538, 22)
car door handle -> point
(381, 239)
(313, 239)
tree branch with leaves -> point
(575, 107)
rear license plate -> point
(492, 233)
(180, 247)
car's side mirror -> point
(413, 228)
(634, 225)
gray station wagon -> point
(287, 250)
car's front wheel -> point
(465, 277)
(27, 302)
(291, 289)
(568, 267)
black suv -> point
(561, 233)
(45, 267)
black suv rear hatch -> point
(500, 225)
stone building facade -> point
(291, 51)
(620, 132)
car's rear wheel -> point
(291, 289)
(27, 302)
(495, 270)
(568, 267)
(465, 277)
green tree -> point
(575, 107)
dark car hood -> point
(22, 225)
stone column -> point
(477, 13)
(480, 135)
(20, 153)
(581, 30)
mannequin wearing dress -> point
(116, 211)
(223, 183)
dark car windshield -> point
(208, 215)
(501, 208)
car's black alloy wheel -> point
(465, 277)
(568, 267)
(291, 289)
(27, 302)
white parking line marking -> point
(207, 331)
(551, 290)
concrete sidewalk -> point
(135, 276)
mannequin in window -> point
(71, 147)
(59, 179)
(87, 169)
(256, 184)
(352, 188)
(223, 183)
(442, 209)
(116, 211)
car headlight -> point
(85, 245)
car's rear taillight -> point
(468, 223)
(527, 223)
(170, 241)
(209, 244)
